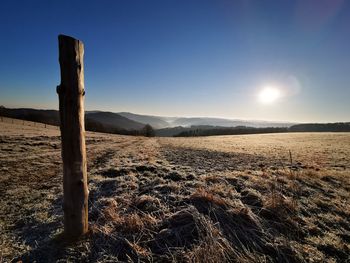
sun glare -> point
(269, 94)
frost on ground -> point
(210, 199)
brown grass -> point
(205, 197)
(217, 199)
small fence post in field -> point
(71, 107)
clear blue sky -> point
(184, 58)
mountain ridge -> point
(172, 122)
(134, 124)
(93, 119)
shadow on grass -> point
(48, 242)
(43, 237)
(203, 159)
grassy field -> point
(251, 198)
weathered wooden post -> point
(71, 105)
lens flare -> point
(269, 94)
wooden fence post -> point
(71, 106)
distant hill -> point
(175, 131)
(321, 127)
(159, 122)
(130, 123)
(44, 116)
(96, 120)
(187, 122)
(211, 130)
(114, 119)
(207, 130)
(154, 121)
(230, 131)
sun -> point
(269, 95)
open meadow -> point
(250, 198)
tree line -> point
(229, 131)
(308, 127)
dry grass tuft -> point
(129, 223)
(203, 197)
(213, 247)
(147, 203)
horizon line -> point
(188, 117)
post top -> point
(65, 37)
